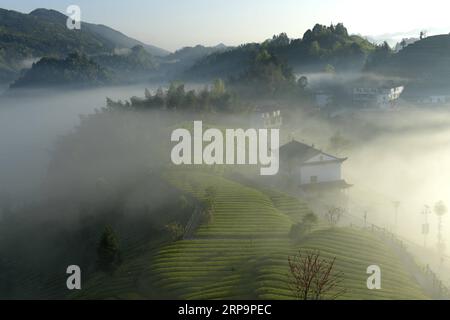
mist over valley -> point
(90, 122)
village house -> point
(311, 169)
(434, 100)
(377, 97)
(429, 96)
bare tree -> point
(334, 215)
(425, 227)
(314, 278)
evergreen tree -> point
(108, 253)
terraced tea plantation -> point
(242, 253)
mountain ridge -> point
(111, 34)
(320, 47)
(43, 33)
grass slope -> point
(239, 266)
(243, 253)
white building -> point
(434, 100)
(429, 96)
(382, 97)
(310, 168)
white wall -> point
(326, 172)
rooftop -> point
(301, 151)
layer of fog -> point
(32, 121)
(323, 81)
(394, 156)
(402, 156)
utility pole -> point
(365, 219)
(425, 227)
(440, 210)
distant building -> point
(311, 169)
(434, 99)
(379, 97)
(429, 96)
(268, 117)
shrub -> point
(176, 231)
(108, 253)
(298, 231)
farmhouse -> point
(436, 96)
(379, 97)
(311, 169)
(434, 99)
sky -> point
(172, 24)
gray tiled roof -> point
(301, 152)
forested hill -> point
(181, 60)
(191, 54)
(320, 48)
(426, 61)
(24, 38)
(105, 33)
(75, 70)
(134, 62)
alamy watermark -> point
(73, 282)
(235, 146)
(74, 17)
(374, 281)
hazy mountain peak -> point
(49, 14)
(102, 35)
